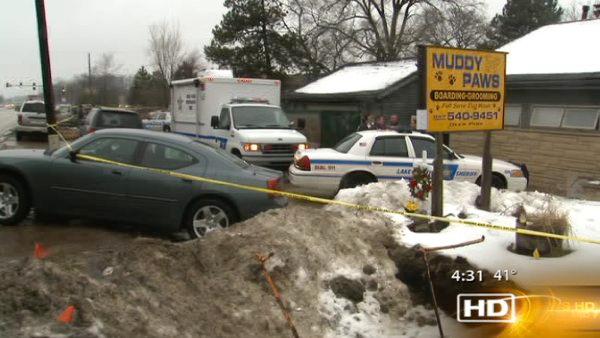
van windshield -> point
(259, 117)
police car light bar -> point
(249, 100)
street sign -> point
(464, 89)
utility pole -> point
(46, 72)
(89, 73)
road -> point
(8, 120)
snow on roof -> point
(556, 49)
(361, 77)
(219, 73)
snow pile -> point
(214, 287)
(361, 77)
(580, 266)
(560, 48)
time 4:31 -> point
(477, 275)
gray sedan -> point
(60, 183)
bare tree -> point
(189, 66)
(106, 65)
(574, 10)
(109, 85)
(315, 48)
(379, 29)
(453, 24)
(166, 48)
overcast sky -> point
(77, 27)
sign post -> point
(462, 90)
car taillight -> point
(91, 130)
(273, 184)
(303, 163)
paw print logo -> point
(438, 75)
(452, 79)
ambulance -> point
(239, 115)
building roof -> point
(361, 78)
(563, 48)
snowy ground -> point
(576, 268)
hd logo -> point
(486, 308)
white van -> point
(239, 115)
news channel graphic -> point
(546, 311)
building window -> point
(547, 117)
(581, 118)
(512, 115)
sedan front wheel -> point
(208, 215)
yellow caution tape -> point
(342, 203)
(328, 201)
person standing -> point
(367, 123)
(380, 123)
(394, 123)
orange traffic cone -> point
(40, 251)
(68, 315)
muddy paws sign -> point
(464, 88)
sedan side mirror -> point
(214, 121)
(73, 156)
(301, 124)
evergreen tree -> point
(520, 17)
(248, 40)
(146, 89)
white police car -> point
(371, 156)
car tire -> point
(498, 182)
(13, 192)
(356, 179)
(18, 136)
(207, 215)
(236, 153)
(167, 129)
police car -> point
(370, 156)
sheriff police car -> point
(370, 156)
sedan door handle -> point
(116, 172)
(377, 163)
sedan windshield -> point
(259, 117)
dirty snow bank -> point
(578, 267)
(214, 287)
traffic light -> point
(20, 84)
(33, 85)
(7, 85)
